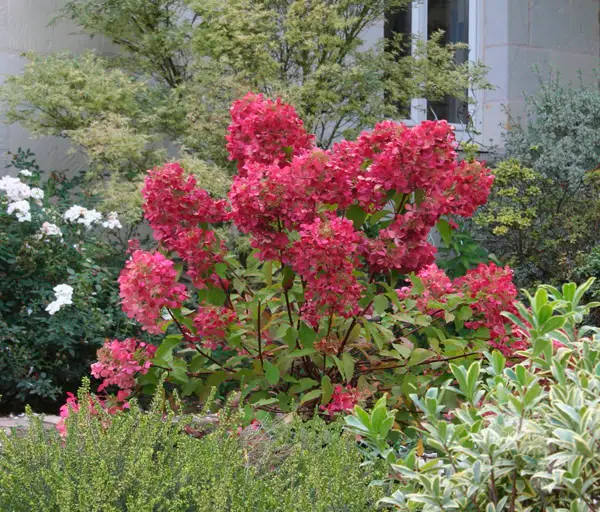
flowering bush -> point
(58, 296)
(312, 316)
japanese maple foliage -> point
(311, 316)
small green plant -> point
(145, 461)
(524, 436)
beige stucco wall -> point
(562, 35)
(24, 27)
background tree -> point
(182, 62)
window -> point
(424, 17)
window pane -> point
(451, 16)
(399, 21)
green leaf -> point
(445, 231)
(380, 304)
(418, 288)
(307, 335)
(212, 295)
(311, 395)
(348, 362)
(464, 313)
(165, 350)
(327, 389)
(303, 385)
(197, 362)
(271, 373)
(553, 324)
(268, 272)
(288, 278)
(291, 336)
(216, 379)
(419, 355)
(221, 270)
(357, 215)
(340, 366)
(405, 350)
(265, 401)
(302, 352)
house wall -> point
(513, 36)
(559, 35)
(24, 27)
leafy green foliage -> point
(292, 366)
(459, 250)
(543, 209)
(42, 356)
(145, 461)
(523, 436)
(183, 62)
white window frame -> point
(418, 106)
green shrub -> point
(138, 461)
(524, 437)
(544, 208)
(44, 355)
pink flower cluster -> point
(148, 283)
(343, 400)
(71, 405)
(264, 131)
(492, 290)
(173, 202)
(119, 362)
(211, 325)
(325, 256)
(437, 286)
(286, 186)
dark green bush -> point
(138, 461)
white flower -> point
(50, 229)
(14, 188)
(82, 215)
(37, 194)
(89, 218)
(73, 213)
(112, 221)
(64, 296)
(26, 172)
(21, 209)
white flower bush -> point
(80, 215)
(18, 201)
(19, 193)
(112, 221)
